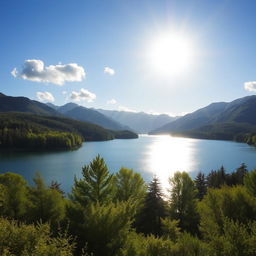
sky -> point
(117, 54)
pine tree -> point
(201, 185)
(149, 218)
(96, 184)
(216, 179)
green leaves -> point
(129, 185)
(183, 203)
(21, 240)
(96, 184)
(250, 182)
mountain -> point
(139, 122)
(90, 115)
(217, 121)
(52, 106)
(67, 107)
(23, 104)
(194, 120)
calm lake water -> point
(148, 155)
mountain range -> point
(28, 124)
(139, 122)
(222, 120)
(219, 120)
(90, 115)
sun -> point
(170, 54)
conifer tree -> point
(96, 184)
(149, 218)
(201, 185)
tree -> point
(56, 186)
(201, 185)
(234, 203)
(14, 195)
(106, 227)
(216, 179)
(46, 204)
(237, 177)
(20, 239)
(250, 182)
(129, 186)
(183, 203)
(96, 184)
(149, 218)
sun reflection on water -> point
(168, 154)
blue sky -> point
(93, 35)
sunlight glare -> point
(168, 155)
(170, 53)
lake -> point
(148, 155)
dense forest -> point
(120, 215)
(27, 131)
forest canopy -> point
(121, 215)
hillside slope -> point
(224, 121)
(23, 104)
(238, 111)
(25, 130)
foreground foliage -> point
(119, 215)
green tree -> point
(20, 239)
(201, 185)
(96, 184)
(216, 179)
(14, 195)
(250, 182)
(183, 203)
(237, 177)
(154, 209)
(129, 186)
(46, 204)
(234, 203)
(106, 227)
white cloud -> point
(126, 109)
(64, 92)
(14, 72)
(83, 95)
(112, 101)
(45, 96)
(110, 71)
(35, 70)
(250, 86)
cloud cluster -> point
(250, 86)
(112, 102)
(35, 70)
(45, 96)
(110, 71)
(83, 95)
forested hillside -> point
(23, 104)
(223, 121)
(120, 215)
(27, 131)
